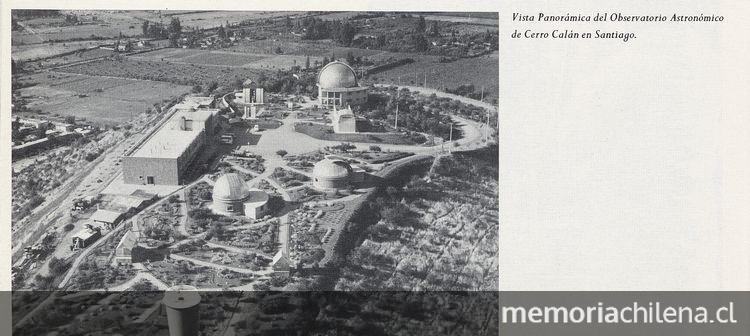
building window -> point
(149, 180)
(230, 208)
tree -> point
(421, 25)
(350, 58)
(380, 41)
(144, 27)
(307, 62)
(70, 120)
(346, 34)
(281, 152)
(421, 43)
(174, 31)
(213, 86)
(222, 33)
(434, 29)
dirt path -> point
(143, 275)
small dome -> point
(331, 169)
(230, 187)
(337, 75)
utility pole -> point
(425, 78)
(396, 125)
(450, 139)
(486, 133)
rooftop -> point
(170, 142)
(167, 144)
(337, 75)
(85, 234)
(106, 216)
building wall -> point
(328, 183)
(183, 161)
(229, 207)
(135, 170)
(345, 125)
(255, 212)
(342, 97)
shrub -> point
(69, 227)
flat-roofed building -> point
(109, 218)
(163, 159)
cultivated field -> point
(202, 57)
(177, 73)
(118, 101)
(320, 48)
(227, 58)
(40, 50)
(463, 19)
(213, 19)
(111, 25)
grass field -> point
(324, 132)
(118, 101)
(480, 71)
(221, 58)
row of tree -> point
(159, 31)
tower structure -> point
(182, 302)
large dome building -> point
(231, 196)
(331, 174)
(338, 86)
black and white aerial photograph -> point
(198, 172)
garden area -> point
(248, 161)
(375, 155)
(122, 308)
(288, 178)
(225, 167)
(199, 194)
(262, 237)
(96, 271)
(63, 312)
(304, 162)
(311, 227)
(325, 132)
(188, 273)
(199, 250)
(158, 225)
